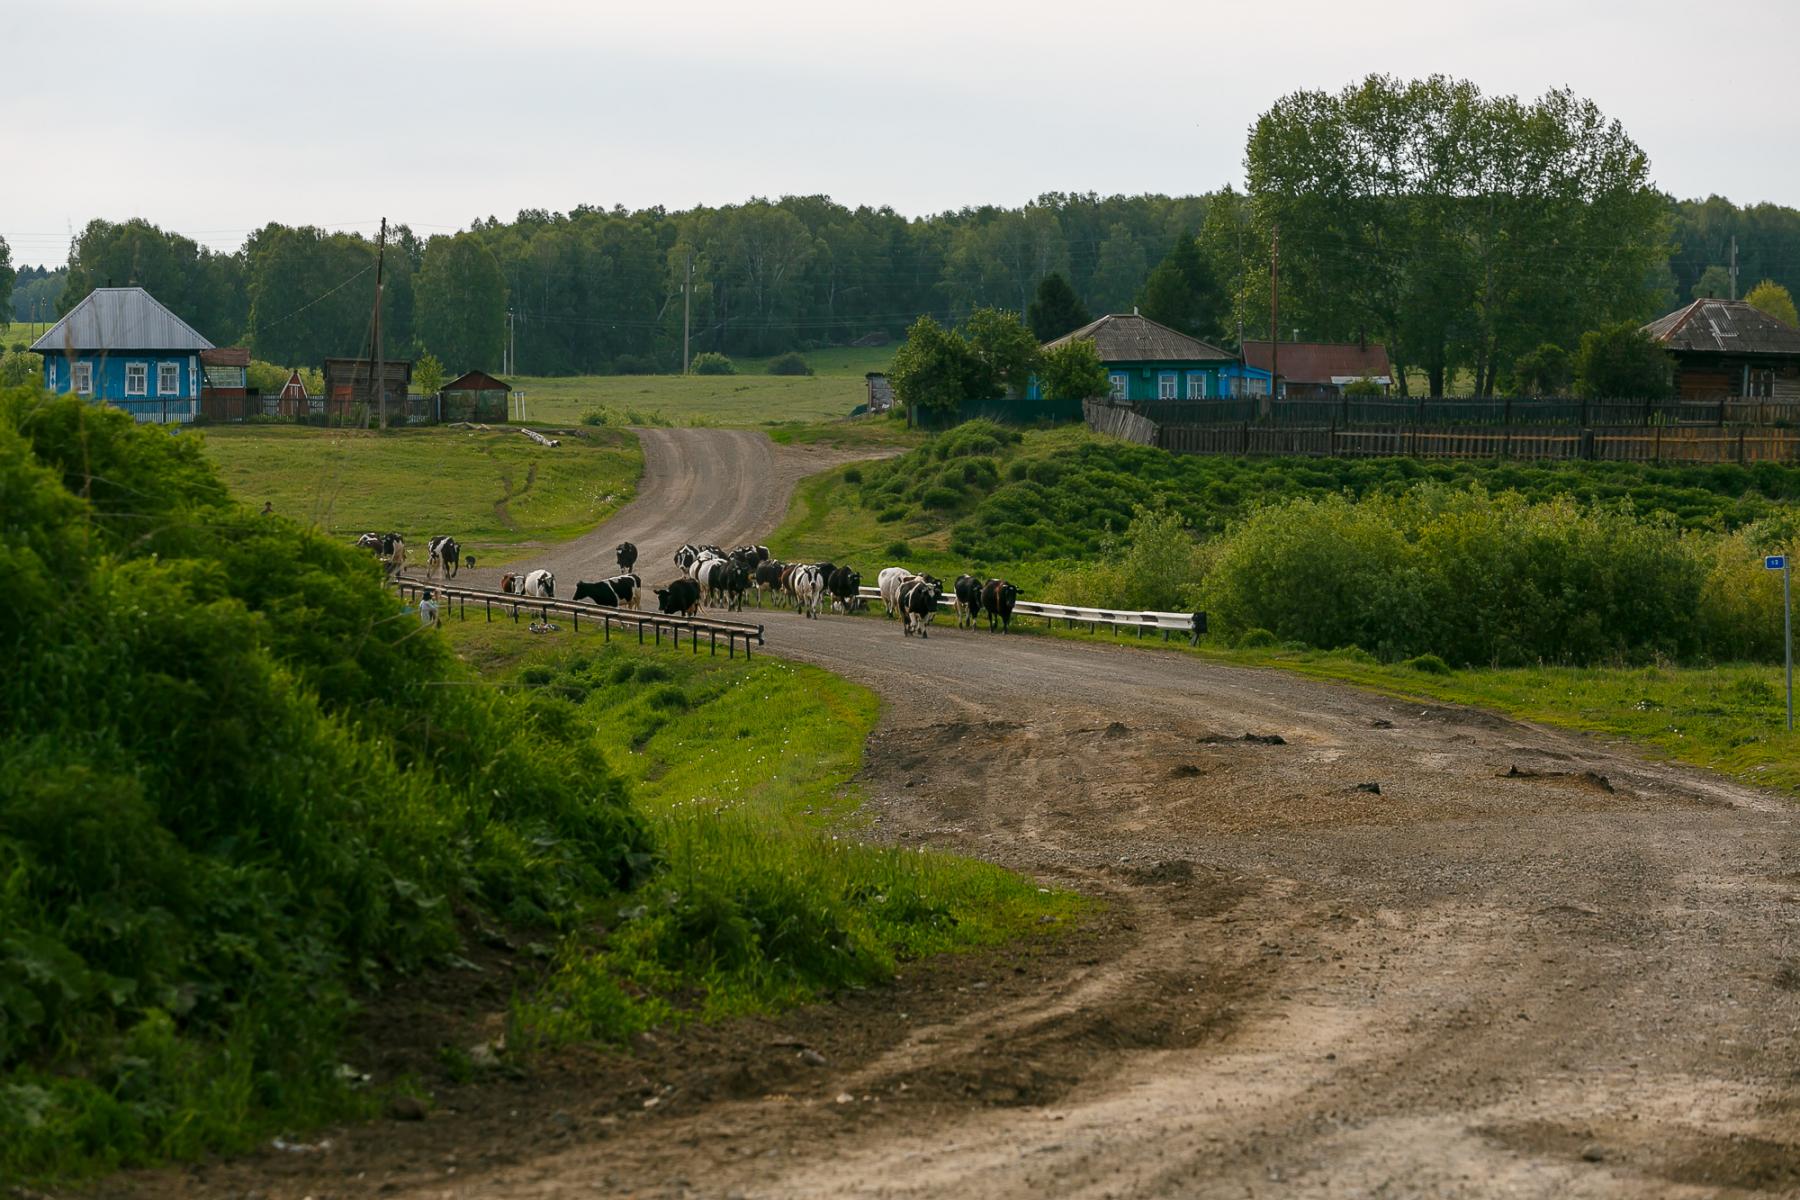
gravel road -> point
(1380, 949)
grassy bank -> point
(764, 897)
(489, 489)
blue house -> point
(1148, 361)
(121, 347)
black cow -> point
(442, 554)
(627, 554)
(600, 591)
(918, 603)
(968, 600)
(998, 596)
(681, 596)
(768, 579)
(845, 586)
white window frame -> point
(165, 372)
(142, 373)
(1165, 386)
(1118, 382)
(1196, 386)
(81, 378)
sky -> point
(214, 118)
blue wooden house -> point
(1148, 361)
(121, 347)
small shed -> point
(881, 391)
(474, 396)
(351, 392)
(1730, 348)
(294, 389)
(1321, 370)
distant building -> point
(1148, 361)
(1315, 370)
(474, 396)
(1727, 348)
(120, 346)
(881, 391)
(350, 389)
(294, 389)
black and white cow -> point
(681, 596)
(539, 585)
(919, 598)
(627, 556)
(693, 552)
(720, 580)
(808, 584)
(888, 582)
(845, 586)
(600, 591)
(630, 588)
(442, 554)
(968, 600)
(998, 597)
(370, 542)
(393, 552)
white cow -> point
(540, 585)
(889, 582)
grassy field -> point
(489, 489)
(751, 397)
(744, 771)
(22, 331)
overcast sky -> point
(213, 118)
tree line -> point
(1475, 236)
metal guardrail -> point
(1192, 625)
(459, 599)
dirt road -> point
(1380, 949)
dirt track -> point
(1529, 965)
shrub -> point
(1430, 664)
(1255, 639)
(941, 498)
(853, 475)
(898, 550)
(711, 362)
(790, 363)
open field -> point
(489, 489)
(746, 399)
(22, 331)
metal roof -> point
(1324, 362)
(1130, 338)
(1724, 327)
(119, 319)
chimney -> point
(1134, 311)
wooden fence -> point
(1670, 444)
(1119, 421)
(1354, 412)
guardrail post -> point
(713, 644)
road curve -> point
(1381, 948)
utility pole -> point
(1274, 318)
(687, 306)
(380, 360)
(1734, 266)
(512, 354)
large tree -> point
(1775, 300)
(1056, 309)
(6, 283)
(202, 287)
(461, 303)
(1463, 230)
(1073, 371)
(1183, 293)
(1621, 362)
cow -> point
(697, 569)
(968, 601)
(767, 579)
(627, 556)
(630, 589)
(809, 590)
(845, 586)
(692, 552)
(889, 582)
(393, 553)
(370, 542)
(919, 598)
(442, 554)
(540, 585)
(998, 596)
(750, 556)
(715, 576)
(681, 596)
(511, 583)
(600, 591)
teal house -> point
(1146, 361)
(121, 347)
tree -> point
(1546, 371)
(1072, 371)
(1621, 362)
(1056, 309)
(204, 288)
(428, 375)
(1119, 269)
(461, 303)
(1004, 353)
(1714, 284)
(932, 369)
(1183, 294)
(1770, 297)
(7, 275)
(18, 366)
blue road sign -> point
(1776, 562)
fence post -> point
(1740, 445)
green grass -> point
(749, 398)
(489, 489)
(765, 897)
(22, 331)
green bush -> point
(853, 475)
(231, 798)
(1430, 664)
(899, 550)
(790, 363)
(711, 362)
(1255, 639)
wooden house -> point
(1321, 370)
(351, 392)
(120, 346)
(474, 396)
(1148, 361)
(1729, 349)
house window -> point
(1118, 386)
(137, 379)
(1165, 386)
(1196, 387)
(168, 379)
(84, 379)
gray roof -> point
(1128, 337)
(119, 319)
(1724, 327)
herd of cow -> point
(715, 578)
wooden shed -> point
(1729, 348)
(474, 396)
(350, 389)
